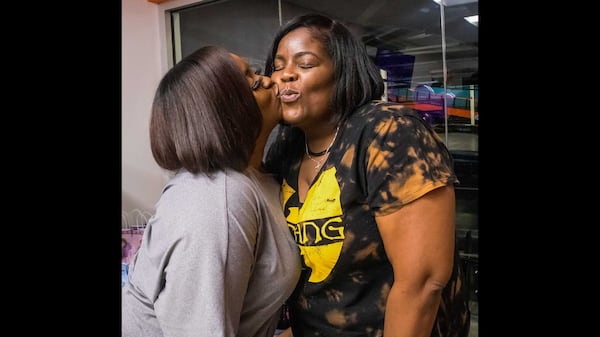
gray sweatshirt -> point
(216, 259)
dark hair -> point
(358, 80)
(204, 116)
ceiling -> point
(409, 26)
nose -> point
(267, 82)
(288, 76)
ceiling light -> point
(473, 19)
(449, 3)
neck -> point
(318, 144)
(259, 151)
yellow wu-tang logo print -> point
(317, 226)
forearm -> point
(411, 313)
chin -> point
(292, 116)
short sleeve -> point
(405, 160)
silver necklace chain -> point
(319, 162)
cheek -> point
(321, 81)
(324, 88)
(275, 77)
(319, 91)
(265, 100)
(261, 100)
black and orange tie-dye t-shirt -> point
(383, 158)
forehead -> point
(242, 63)
(301, 39)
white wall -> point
(143, 63)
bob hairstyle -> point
(357, 79)
(204, 115)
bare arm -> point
(419, 241)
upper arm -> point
(210, 265)
(405, 159)
(419, 239)
(410, 191)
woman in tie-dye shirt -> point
(368, 193)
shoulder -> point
(196, 192)
(242, 193)
(380, 118)
(380, 112)
(383, 109)
(190, 199)
(240, 183)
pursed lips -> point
(288, 95)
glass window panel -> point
(428, 53)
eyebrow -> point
(298, 55)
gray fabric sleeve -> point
(208, 266)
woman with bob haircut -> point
(216, 258)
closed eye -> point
(277, 66)
(257, 83)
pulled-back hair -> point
(204, 116)
(357, 79)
